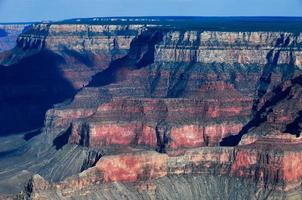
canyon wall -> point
(183, 102)
(230, 47)
(49, 64)
(144, 105)
(263, 173)
(9, 34)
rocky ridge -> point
(169, 97)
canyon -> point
(155, 108)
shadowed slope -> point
(28, 89)
(141, 54)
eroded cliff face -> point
(184, 101)
(85, 49)
(49, 64)
(231, 47)
(262, 173)
(9, 34)
(155, 106)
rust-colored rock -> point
(133, 167)
(140, 105)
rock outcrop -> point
(49, 64)
(9, 34)
(154, 109)
(185, 102)
(270, 169)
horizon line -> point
(149, 16)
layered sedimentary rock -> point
(85, 49)
(151, 105)
(183, 102)
(230, 47)
(188, 102)
(9, 34)
(268, 172)
(51, 62)
(278, 111)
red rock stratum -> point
(148, 111)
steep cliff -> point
(183, 94)
(49, 64)
(9, 34)
(150, 107)
(265, 173)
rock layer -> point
(51, 62)
(9, 34)
(153, 103)
(266, 167)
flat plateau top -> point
(227, 24)
(287, 24)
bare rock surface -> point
(151, 111)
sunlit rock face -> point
(85, 49)
(261, 171)
(154, 111)
(179, 100)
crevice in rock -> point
(295, 127)
(272, 61)
(179, 87)
(84, 141)
(265, 78)
(62, 139)
(162, 136)
(259, 117)
(90, 161)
